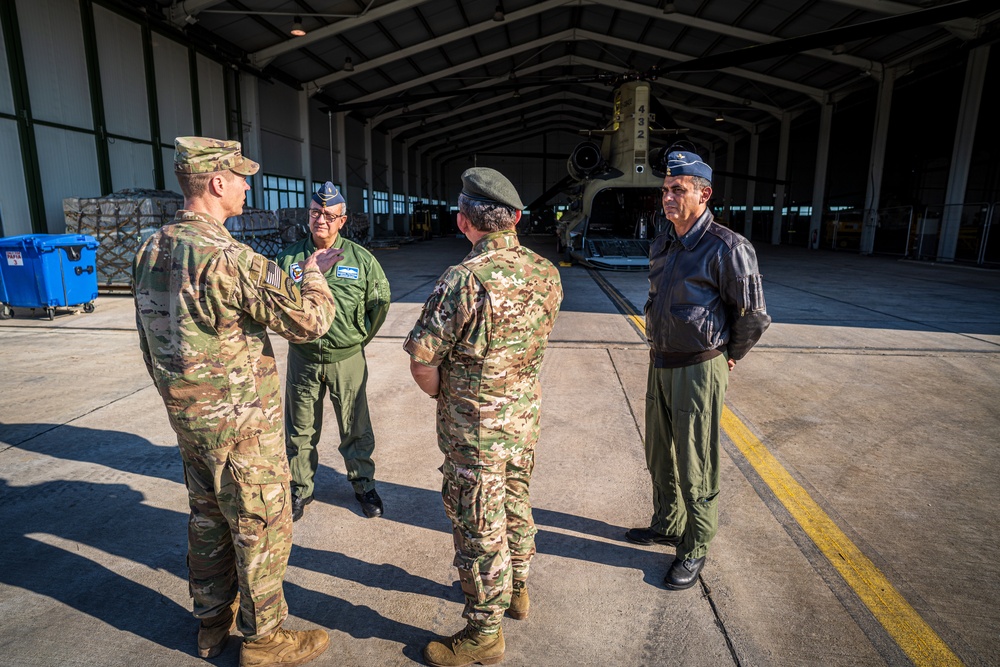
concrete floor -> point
(877, 388)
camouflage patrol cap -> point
(485, 184)
(202, 155)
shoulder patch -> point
(272, 276)
(295, 272)
(267, 276)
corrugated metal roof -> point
(424, 67)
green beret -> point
(485, 184)
(201, 155)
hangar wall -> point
(91, 101)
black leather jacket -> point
(705, 292)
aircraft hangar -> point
(853, 141)
(851, 124)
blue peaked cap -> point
(328, 195)
(685, 163)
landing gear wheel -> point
(50, 312)
(88, 307)
(6, 312)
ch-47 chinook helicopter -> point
(615, 207)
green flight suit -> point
(335, 363)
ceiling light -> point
(838, 49)
(297, 29)
(669, 8)
(498, 13)
(348, 65)
(517, 94)
(719, 118)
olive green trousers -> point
(306, 384)
(683, 412)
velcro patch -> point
(269, 277)
(295, 271)
(349, 272)
(273, 275)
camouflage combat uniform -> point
(203, 302)
(486, 325)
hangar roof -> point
(430, 71)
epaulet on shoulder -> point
(726, 235)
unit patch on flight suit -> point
(295, 271)
(349, 272)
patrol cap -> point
(489, 185)
(328, 195)
(202, 155)
(686, 163)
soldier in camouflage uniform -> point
(477, 348)
(203, 303)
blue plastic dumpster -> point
(47, 271)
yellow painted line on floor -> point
(920, 643)
(910, 632)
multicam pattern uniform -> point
(486, 325)
(203, 302)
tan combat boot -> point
(213, 634)
(466, 648)
(519, 602)
(287, 648)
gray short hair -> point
(487, 216)
(701, 182)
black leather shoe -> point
(299, 506)
(683, 573)
(648, 536)
(371, 504)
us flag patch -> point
(273, 275)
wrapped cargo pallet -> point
(120, 222)
(258, 229)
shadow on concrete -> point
(358, 621)
(384, 576)
(113, 519)
(108, 518)
(423, 508)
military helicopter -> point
(614, 207)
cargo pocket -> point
(470, 579)
(261, 488)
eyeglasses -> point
(316, 215)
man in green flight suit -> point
(203, 305)
(477, 349)
(336, 362)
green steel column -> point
(96, 95)
(22, 106)
(154, 109)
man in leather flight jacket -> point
(704, 313)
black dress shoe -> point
(683, 573)
(371, 504)
(299, 506)
(648, 536)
